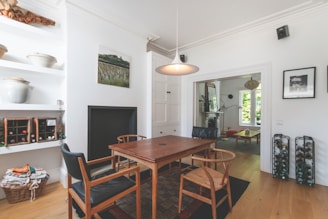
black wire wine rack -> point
(305, 160)
(280, 156)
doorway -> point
(231, 107)
(188, 118)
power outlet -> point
(280, 122)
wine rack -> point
(16, 131)
(2, 135)
(45, 129)
(280, 156)
(305, 160)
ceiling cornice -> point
(113, 20)
(295, 11)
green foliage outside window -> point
(250, 115)
(246, 104)
(258, 107)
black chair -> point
(90, 195)
(204, 133)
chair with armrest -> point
(91, 194)
(127, 138)
(209, 180)
(204, 133)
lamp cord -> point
(177, 29)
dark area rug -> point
(238, 187)
(168, 195)
(242, 146)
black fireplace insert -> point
(105, 123)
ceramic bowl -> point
(14, 90)
(42, 60)
(3, 50)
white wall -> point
(231, 112)
(259, 48)
(231, 116)
(86, 32)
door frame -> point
(188, 103)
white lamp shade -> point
(177, 68)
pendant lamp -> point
(251, 84)
(177, 67)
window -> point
(250, 100)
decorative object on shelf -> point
(45, 129)
(251, 84)
(2, 134)
(113, 68)
(177, 67)
(299, 83)
(14, 90)
(280, 156)
(3, 50)
(42, 60)
(60, 103)
(16, 131)
(10, 9)
(305, 160)
(60, 125)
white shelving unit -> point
(30, 69)
(29, 107)
(48, 83)
(28, 147)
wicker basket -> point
(22, 193)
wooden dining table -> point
(157, 152)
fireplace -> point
(105, 123)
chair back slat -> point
(130, 137)
(223, 160)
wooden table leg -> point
(154, 191)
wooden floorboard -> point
(265, 197)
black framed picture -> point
(299, 83)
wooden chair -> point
(127, 138)
(204, 133)
(209, 179)
(90, 195)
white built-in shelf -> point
(30, 107)
(28, 147)
(10, 65)
(22, 28)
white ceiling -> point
(199, 20)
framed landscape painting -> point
(299, 83)
(113, 68)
